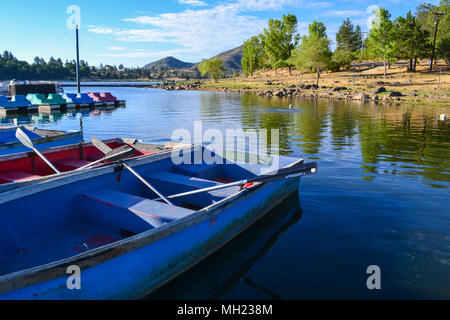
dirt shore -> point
(400, 86)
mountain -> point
(231, 62)
(170, 63)
(232, 59)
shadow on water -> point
(219, 273)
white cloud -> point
(344, 13)
(204, 32)
(116, 48)
(195, 3)
(208, 31)
(101, 30)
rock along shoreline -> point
(380, 94)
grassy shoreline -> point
(421, 88)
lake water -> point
(381, 196)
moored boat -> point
(125, 242)
(42, 139)
(26, 168)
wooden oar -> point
(104, 148)
(100, 145)
(283, 174)
(115, 155)
(26, 141)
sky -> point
(136, 32)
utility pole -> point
(437, 14)
(78, 61)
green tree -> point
(213, 67)
(380, 41)
(279, 40)
(443, 49)
(427, 17)
(318, 28)
(342, 58)
(411, 41)
(253, 55)
(314, 51)
(348, 38)
(348, 41)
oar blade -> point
(289, 173)
(24, 139)
(118, 154)
(100, 145)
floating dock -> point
(53, 102)
(58, 108)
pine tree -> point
(410, 41)
(348, 38)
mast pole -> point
(78, 61)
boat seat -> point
(170, 183)
(71, 164)
(118, 212)
(16, 176)
(204, 171)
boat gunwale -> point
(76, 176)
(12, 186)
(41, 140)
(20, 155)
(25, 278)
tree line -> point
(55, 69)
(405, 38)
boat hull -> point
(136, 266)
(139, 272)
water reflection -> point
(404, 140)
(399, 140)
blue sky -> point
(135, 32)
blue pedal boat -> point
(108, 224)
(42, 139)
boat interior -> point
(62, 222)
(28, 166)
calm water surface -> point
(381, 196)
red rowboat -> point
(27, 168)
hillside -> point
(231, 62)
(170, 63)
(232, 59)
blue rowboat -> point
(42, 139)
(99, 235)
(207, 282)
